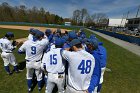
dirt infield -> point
(21, 39)
(28, 27)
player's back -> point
(5, 45)
(81, 66)
(34, 50)
(53, 61)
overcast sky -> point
(65, 8)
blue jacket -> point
(50, 37)
(103, 55)
(95, 79)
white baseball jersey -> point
(81, 66)
(34, 49)
(0, 43)
(6, 45)
(30, 37)
(53, 61)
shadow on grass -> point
(22, 65)
(34, 80)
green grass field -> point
(125, 66)
(123, 78)
(17, 33)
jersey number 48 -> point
(85, 66)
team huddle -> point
(72, 61)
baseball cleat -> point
(10, 73)
(29, 90)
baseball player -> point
(81, 69)
(34, 51)
(103, 61)
(53, 63)
(48, 33)
(7, 47)
(71, 35)
(92, 36)
(92, 46)
(31, 33)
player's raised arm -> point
(22, 49)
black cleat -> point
(17, 71)
(39, 90)
(29, 90)
(10, 73)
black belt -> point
(8, 52)
(61, 72)
(57, 73)
(35, 61)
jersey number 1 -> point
(85, 66)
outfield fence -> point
(128, 38)
(38, 24)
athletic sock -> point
(16, 68)
(7, 69)
(39, 84)
(29, 82)
(45, 79)
(99, 88)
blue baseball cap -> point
(92, 36)
(94, 42)
(65, 37)
(9, 34)
(35, 31)
(83, 36)
(100, 43)
(75, 42)
(58, 41)
(63, 40)
(39, 34)
(31, 30)
(72, 35)
(48, 31)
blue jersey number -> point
(53, 59)
(33, 48)
(85, 66)
(1, 44)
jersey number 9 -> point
(33, 48)
(85, 66)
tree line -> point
(23, 14)
(82, 17)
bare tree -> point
(77, 16)
(84, 13)
(100, 19)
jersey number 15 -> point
(53, 59)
